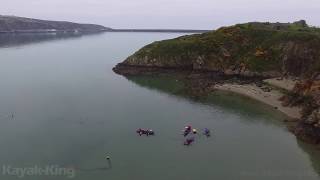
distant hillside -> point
(21, 24)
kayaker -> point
(207, 132)
(186, 130)
(194, 131)
(188, 141)
(150, 132)
(141, 131)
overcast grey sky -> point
(195, 14)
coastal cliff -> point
(254, 51)
(14, 24)
(307, 95)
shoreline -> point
(245, 87)
(254, 92)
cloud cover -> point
(195, 14)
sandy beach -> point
(271, 98)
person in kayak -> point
(141, 131)
(188, 141)
(150, 132)
(206, 132)
(188, 127)
(187, 130)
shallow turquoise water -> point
(61, 104)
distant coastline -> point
(53, 31)
(105, 30)
(16, 25)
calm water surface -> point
(61, 104)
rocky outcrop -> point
(10, 24)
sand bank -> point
(271, 98)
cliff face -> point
(307, 94)
(247, 50)
(262, 49)
(20, 24)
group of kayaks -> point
(187, 132)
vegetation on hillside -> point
(286, 48)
